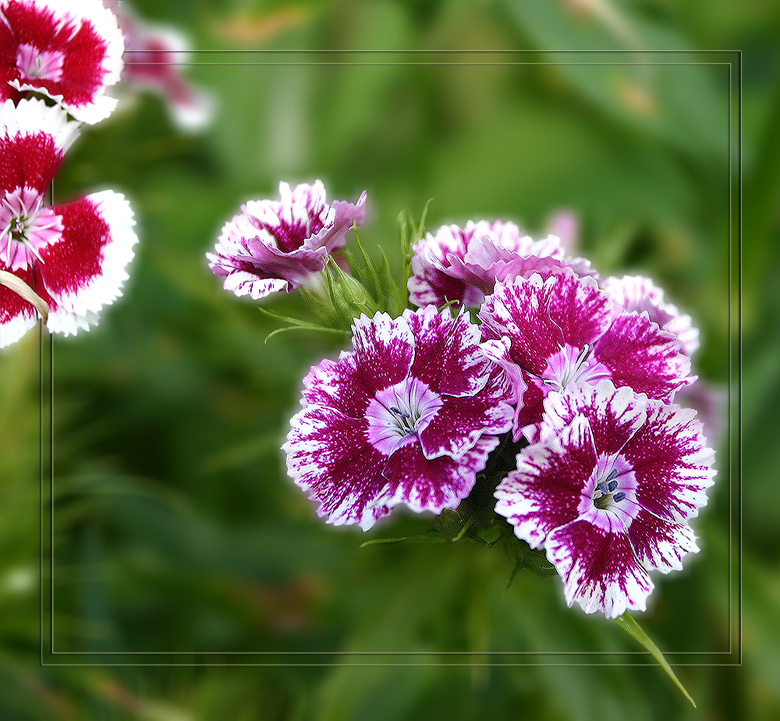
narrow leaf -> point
(630, 626)
(426, 537)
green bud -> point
(339, 298)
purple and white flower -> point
(275, 245)
(408, 416)
(638, 294)
(464, 264)
(70, 52)
(550, 334)
(608, 492)
(73, 256)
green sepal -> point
(632, 628)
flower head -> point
(74, 255)
(464, 264)
(608, 491)
(408, 416)
(70, 52)
(278, 245)
(550, 334)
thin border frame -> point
(734, 460)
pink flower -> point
(153, 55)
(608, 491)
(408, 417)
(278, 245)
(549, 334)
(73, 256)
(637, 294)
(69, 51)
(464, 264)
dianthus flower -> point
(70, 52)
(464, 264)
(408, 416)
(608, 491)
(74, 255)
(549, 334)
(154, 57)
(278, 245)
(635, 293)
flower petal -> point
(462, 420)
(541, 316)
(637, 294)
(385, 349)
(337, 385)
(85, 270)
(599, 569)
(425, 484)
(17, 315)
(640, 355)
(328, 455)
(672, 463)
(545, 491)
(614, 415)
(447, 355)
(660, 544)
(33, 141)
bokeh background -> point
(178, 541)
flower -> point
(408, 416)
(608, 491)
(563, 331)
(635, 293)
(464, 264)
(154, 56)
(278, 245)
(74, 255)
(70, 52)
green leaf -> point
(426, 537)
(297, 324)
(631, 627)
(411, 232)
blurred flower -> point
(73, 256)
(278, 245)
(607, 492)
(408, 417)
(565, 225)
(565, 331)
(70, 52)
(153, 56)
(464, 264)
(710, 402)
(637, 294)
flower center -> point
(572, 365)
(399, 412)
(608, 500)
(26, 227)
(606, 494)
(39, 64)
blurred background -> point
(190, 578)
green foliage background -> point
(175, 528)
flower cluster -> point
(577, 372)
(66, 261)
